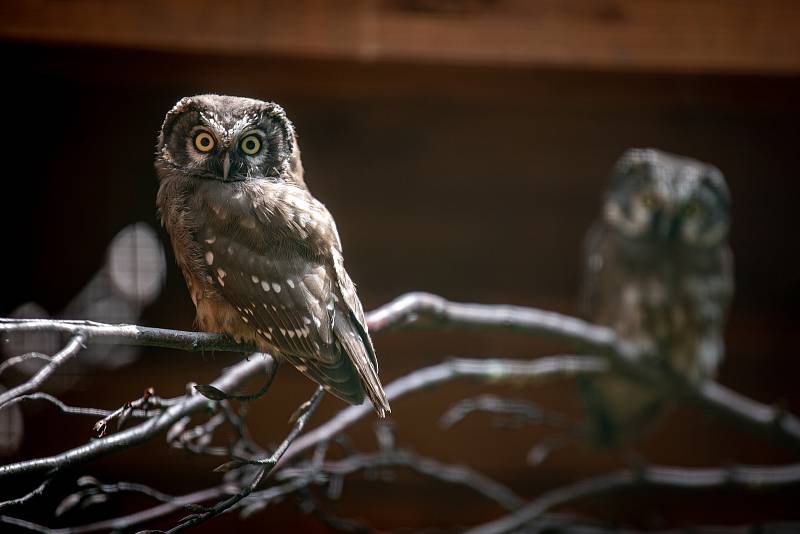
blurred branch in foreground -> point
(293, 474)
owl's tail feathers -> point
(374, 390)
(352, 340)
(367, 373)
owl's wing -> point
(350, 328)
(289, 302)
(711, 293)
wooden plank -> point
(673, 35)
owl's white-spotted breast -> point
(261, 256)
(659, 271)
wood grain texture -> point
(748, 36)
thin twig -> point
(16, 360)
(124, 522)
(63, 408)
(517, 410)
(28, 496)
(70, 349)
(452, 474)
(300, 477)
(266, 468)
(147, 402)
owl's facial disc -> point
(229, 139)
(228, 155)
(695, 217)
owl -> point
(261, 256)
(659, 272)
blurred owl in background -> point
(659, 272)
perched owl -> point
(260, 255)
(658, 270)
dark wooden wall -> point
(475, 179)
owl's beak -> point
(667, 226)
(226, 166)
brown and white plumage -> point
(261, 256)
(659, 271)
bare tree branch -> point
(63, 408)
(71, 349)
(266, 467)
(452, 474)
(432, 312)
(492, 370)
(16, 360)
(413, 310)
(515, 412)
(300, 477)
(119, 523)
(233, 378)
(424, 310)
(748, 477)
(141, 336)
(28, 496)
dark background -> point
(473, 176)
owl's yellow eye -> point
(204, 142)
(649, 200)
(250, 145)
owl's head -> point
(229, 139)
(658, 197)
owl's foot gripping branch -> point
(255, 477)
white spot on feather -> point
(290, 283)
(210, 258)
(276, 287)
(265, 285)
(254, 278)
